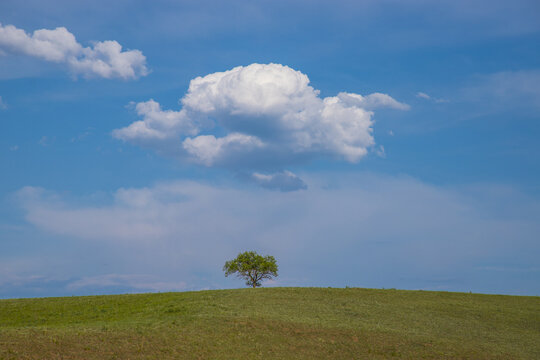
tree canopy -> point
(252, 267)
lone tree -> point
(252, 267)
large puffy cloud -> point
(208, 149)
(439, 238)
(158, 124)
(267, 115)
(104, 59)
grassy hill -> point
(278, 323)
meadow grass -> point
(273, 323)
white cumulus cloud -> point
(256, 117)
(104, 59)
(3, 104)
(158, 124)
(208, 149)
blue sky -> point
(373, 144)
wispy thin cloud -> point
(515, 89)
(3, 105)
(380, 152)
(423, 95)
(82, 135)
(44, 141)
(133, 281)
(340, 221)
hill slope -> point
(280, 323)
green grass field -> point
(273, 323)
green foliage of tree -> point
(252, 267)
